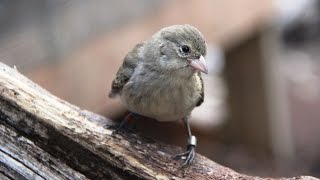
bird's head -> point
(182, 49)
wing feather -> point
(125, 72)
(201, 98)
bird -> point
(161, 79)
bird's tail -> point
(112, 94)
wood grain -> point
(45, 137)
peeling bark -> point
(45, 137)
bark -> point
(44, 137)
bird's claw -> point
(187, 156)
(116, 131)
(190, 154)
(116, 128)
(123, 126)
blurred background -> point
(262, 96)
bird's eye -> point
(185, 49)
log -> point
(44, 137)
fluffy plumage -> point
(155, 79)
(160, 78)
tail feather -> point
(112, 94)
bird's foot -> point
(190, 154)
(123, 126)
(120, 128)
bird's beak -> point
(199, 64)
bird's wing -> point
(201, 98)
(126, 70)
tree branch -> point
(45, 137)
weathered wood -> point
(45, 137)
(23, 158)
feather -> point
(125, 72)
(201, 98)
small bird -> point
(161, 78)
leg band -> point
(192, 141)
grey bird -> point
(161, 78)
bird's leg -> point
(122, 124)
(190, 154)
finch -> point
(161, 78)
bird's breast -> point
(161, 96)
